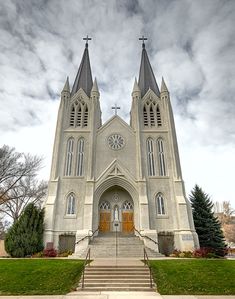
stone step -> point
(112, 288)
(116, 280)
(116, 284)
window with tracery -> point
(69, 157)
(150, 158)
(151, 114)
(105, 205)
(79, 114)
(127, 206)
(70, 209)
(160, 204)
(161, 157)
(80, 157)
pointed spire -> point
(66, 85)
(146, 76)
(84, 77)
(95, 87)
(163, 86)
(136, 87)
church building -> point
(117, 176)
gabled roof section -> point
(111, 120)
(146, 76)
(84, 77)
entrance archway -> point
(116, 211)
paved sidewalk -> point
(117, 295)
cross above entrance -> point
(143, 39)
(116, 108)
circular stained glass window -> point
(116, 141)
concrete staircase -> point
(128, 246)
(117, 278)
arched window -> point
(69, 157)
(72, 116)
(159, 121)
(85, 116)
(150, 158)
(70, 209)
(160, 204)
(161, 157)
(105, 205)
(79, 116)
(151, 116)
(127, 206)
(80, 157)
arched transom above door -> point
(116, 211)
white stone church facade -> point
(115, 173)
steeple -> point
(163, 86)
(146, 76)
(84, 77)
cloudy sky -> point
(190, 42)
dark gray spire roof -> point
(84, 77)
(146, 77)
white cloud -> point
(191, 43)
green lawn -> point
(194, 277)
(39, 276)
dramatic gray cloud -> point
(191, 44)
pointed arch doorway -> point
(116, 211)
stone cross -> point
(116, 108)
(143, 39)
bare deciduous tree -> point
(18, 183)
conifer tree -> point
(206, 224)
(25, 237)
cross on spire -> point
(143, 39)
(87, 39)
(116, 108)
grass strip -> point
(39, 276)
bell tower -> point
(158, 158)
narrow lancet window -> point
(151, 115)
(160, 204)
(80, 157)
(161, 158)
(69, 157)
(150, 158)
(145, 116)
(72, 116)
(70, 210)
(159, 121)
(79, 116)
(85, 116)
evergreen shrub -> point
(25, 237)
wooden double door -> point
(127, 222)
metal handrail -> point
(87, 261)
(146, 262)
(88, 236)
(143, 236)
